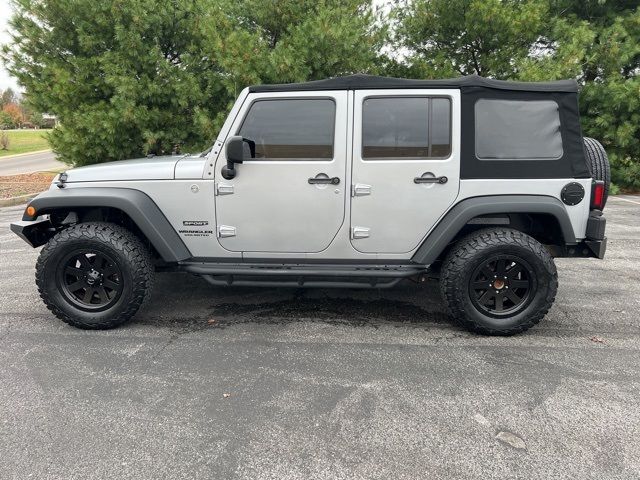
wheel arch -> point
(513, 211)
(93, 203)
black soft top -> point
(356, 82)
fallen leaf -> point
(211, 321)
(226, 395)
(512, 440)
(481, 420)
(597, 339)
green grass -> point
(24, 141)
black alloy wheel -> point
(90, 280)
(503, 285)
(94, 275)
(498, 281)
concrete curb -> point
(10, 202)
(24, 154)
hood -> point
(149, 168)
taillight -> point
(597, 195)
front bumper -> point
(34, 232)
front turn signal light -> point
(31, 211)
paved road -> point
(323, 383)
(30, 162)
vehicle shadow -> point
(185, 302)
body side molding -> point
(456, 218)
(138, 205)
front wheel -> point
(94, 275)
(498, 281)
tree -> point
(7, 97)
(462, 37)
(298, 40)
(5, 121)
(124, 77)
(610, 73)
(128, 77)
(15, 113)
(283, 41)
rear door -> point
(406, 166)
(290, 198)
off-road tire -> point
(468, 254)
(598, 164)
(131, 255)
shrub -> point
(4, 141)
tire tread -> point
(118, 238)
(453, 288)
(598, 163)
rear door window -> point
(406, 127)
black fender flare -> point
(458, 216)
(142, 210)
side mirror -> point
(235, 154)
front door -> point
(406, 166)
(290, 198)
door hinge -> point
(224, 188)
(360, 189)
(359, 232)
(226, 231)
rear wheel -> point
(598, 163)
(94, 275)
(498, 281)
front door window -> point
(296, 129)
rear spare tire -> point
(598, 163)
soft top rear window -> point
(517, 129)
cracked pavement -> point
(212, 382)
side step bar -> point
(312, 276)
(300, 283)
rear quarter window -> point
(517, 129)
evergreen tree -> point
(129, 77)
(610, 73)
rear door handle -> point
(441, 180)
(324, 180)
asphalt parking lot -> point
(286, 384)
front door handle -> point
(441, 180)
(324, 180)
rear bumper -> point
(597, 247)
(595, 243)
(596, 240)
(596, 226)
(34, 232)
(585, 249)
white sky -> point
(5, 13)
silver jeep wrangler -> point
(358, 181)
